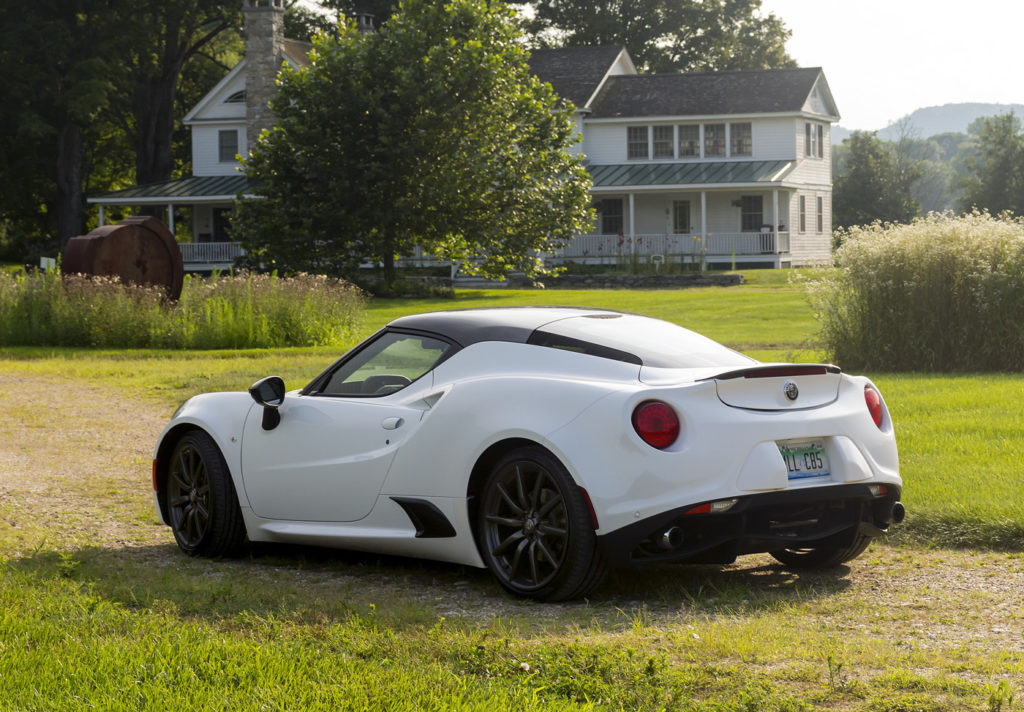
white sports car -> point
(547, 444)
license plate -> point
(804, 458)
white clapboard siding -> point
(205, 149)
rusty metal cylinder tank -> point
(139, 250)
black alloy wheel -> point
(188, 496)
(201, 502)
(535, 528)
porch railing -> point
(616, 247)
(210, 252)
(600, 248)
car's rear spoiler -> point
(782, 370)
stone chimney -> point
(264, 36)
(364, 22)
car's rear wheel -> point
(822, 557)
(535, 530)
(201, 501)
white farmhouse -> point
(721, 167)
(733, 166)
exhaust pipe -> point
(898, 512)
(671, 538)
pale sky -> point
(885, 58)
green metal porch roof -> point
(705, 173)
(194, 189)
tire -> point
(822, 557)
(202, 505)
(534, 528)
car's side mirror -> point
(269, 393)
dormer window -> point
(237, 98)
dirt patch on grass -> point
(75, 476)
(76, 465)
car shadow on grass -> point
(317, 585)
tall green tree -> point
(89, 89)
(165, 35)
(995, 166)
(668, 35)
(877, 183)
(59, 61)
(431, 132)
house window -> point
(227, 146)
(821, 141)
(821, 214)
(751, 213)
(663, 142)
(812, 140)
(237, 98)
(714, 139)
(611, 216)
(636, 142)
(803, 213)
(740, 140)
(681, 217)
(689, 140)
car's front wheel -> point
(535, 530)
(822, 557)
(201, 500)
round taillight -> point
(656, 423)
(874, 402)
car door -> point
(327, 458)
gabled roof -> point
(765, 91)
(295, 52)
(577, 73)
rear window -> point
(636, 339)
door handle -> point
(392, 423)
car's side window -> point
(387, 365)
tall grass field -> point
(235, 311)
(944, 293)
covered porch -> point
(207, 203)
(712, 213)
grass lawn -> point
(99, 610)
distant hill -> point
(933, 120)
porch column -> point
(775, 219)
(170, 218)
(704, 217)
(632, 216)
(101, 216)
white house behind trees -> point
(720, 167)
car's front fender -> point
(222, 416)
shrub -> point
(943, 293)
(245, 310)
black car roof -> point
(470, 326)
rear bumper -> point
(820, 516)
